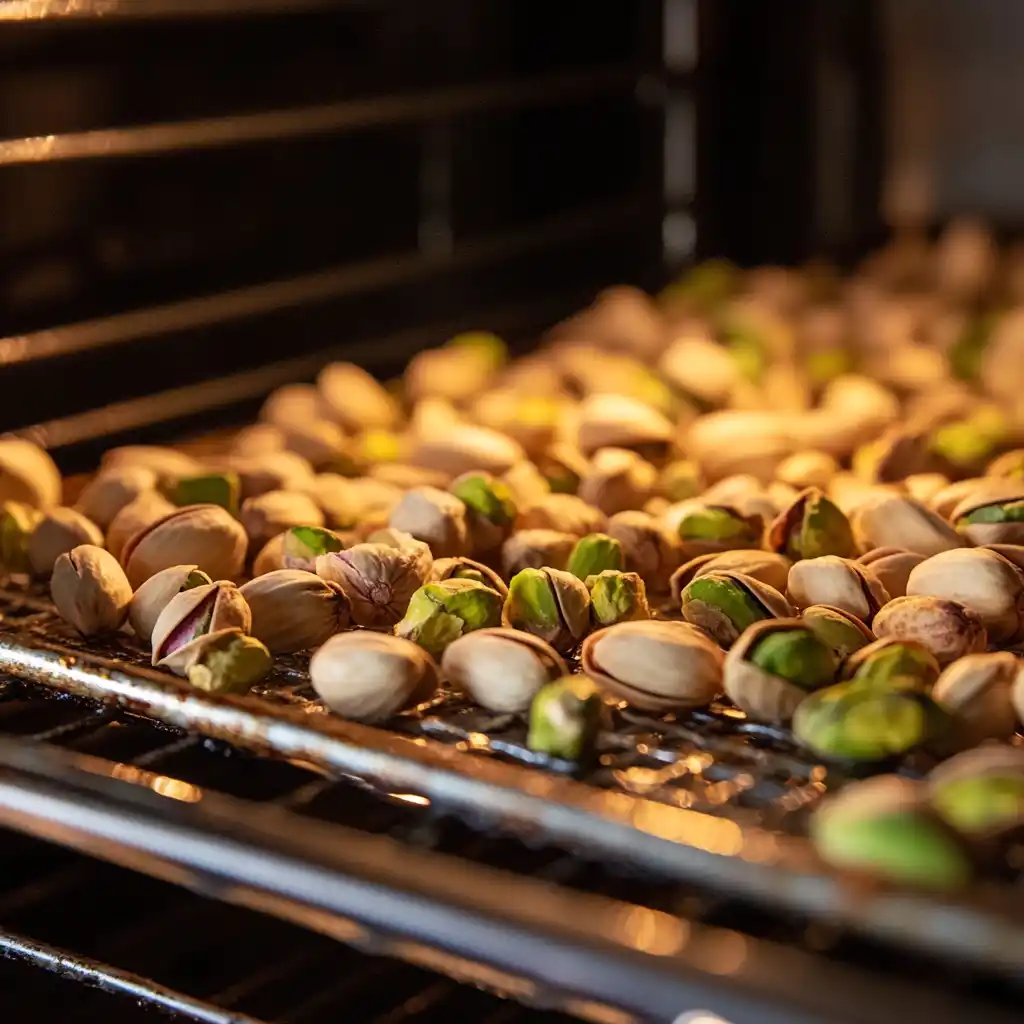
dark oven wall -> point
(194, 189)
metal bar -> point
(111, 979)
(242, 129)
(254, 300)
(110, 10)
(546, 944)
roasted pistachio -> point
(564, 718)
(810, 528)
(466, 449)
(405, 477)
(136, 516)
(324, 445)
(658, 666)
(58, 531)
(943, 502)
(90, 590)
(548, 603)
(977, 692)
(893, 663)
(1009, 465)
(647, 547)
(607, 420)
(904, 523)
(467, 569)
(884, 827)
(352, 397)
(680, 480)
(222, 489)
(992, 515)
(807, 469)
(843, 632)
(945, 627)
(17, 523)
(490, 509)
(563, 512)
(227, 661)
(618, 480)
(258, 439)
(593, 554)
(534, 549)
(981, 792)
(703, 529)
(275, 471)
(501, 669)
(155, 594)
(192, 614)
(166, 463)
(302, 545)
(839, 582)
(269, 514)
(725, 604)
(766, 566)
(434, 517)
(378, 580)
(107, 493)
(441, 612)
(417, 550)
(617, 597)
(343, 501)
(923, 487)
(290, 404)
(526, 484)
(893, 567)
(563, 466)
(28, 475)
(293, 610)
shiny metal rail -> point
(131, 10)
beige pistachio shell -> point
(259, 439)
(340, 501)
(60, 530)
(1011, 552)
(501, 669)
(654, 664)
(573, 600)
(356, 399)
(294, 610)
(893, 567)
(224, 603)
(718, 625)
(850, 493)
(943, 502)
(155, 594)
(417, 550)
(447, 568)
(28, 475)
(167, 463)
(998, 491)
(840, 582)
(275, 471)
(904, 523)
(977, 691)
(290, 404)
(527, 484)
(267, 515)
(983, 581)
(618, 480)
(924, 487)
(566, 513)
(135, 517)
(607, 420)
(649, 549)
(369, 677)
(204, 535)
(465, 448)
(534, 549)
(767, 566)
(271, 556)
(90, 590)
(406, 477)
(435, 517)
(945, 627)
(105, 495)
(988, 759)
(378, 581)
(322, 443)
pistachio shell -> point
(904, 523)
(654, 665)
(378, 580)
(28, 475)
(271, 557)
(275, 471)
(465, 448)
(155, 594)
(708, 529)
(501, 669)
(618, 480)
(90, 590)
(571, 614)
(534, 549)
(767, 566)
(843, 632)
(167, 463)
(417, 550)
(945, 627)
(59, 530)
(406, 477)
(269, 514)
(807, 469)
(943, 502)
(998, 492)
(106, 494)
(434, 517)
(607, 420)
(810, 527)
(466, 568)
(226, 661)
(980, 792)
(566, 513)
(977, 691)
(892, 662)
(893, 567)
(135, 517)
(259, 439)
(204, 535)
(294, 610)
(649, 549)
(196, 612)
(341, 502)
(724, 620)
(355, 399)
(290, 404)
(839, 582)
(369, 677)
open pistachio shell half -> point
(564, 718)
(767, 566)
(439, 613)
(981, 791)
(466, 569)
(712, 528)
(843, 632)
(224, 662)
(193, 613)
(900, 522)
(155, 594)
(107, 493)
(892, 663)
(836, 581)
(977, 691)
(992, 514)
(724, 604)
(893, 567)
(534, 549)
(946, 628)
(811, 527)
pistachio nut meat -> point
(490, 509)
(980, 792)
(811, 527)
(58, 531)
(711, 528)
(946, 628)
(724, 604)
(17, 523)
(565, 717)
(655, 665)
(593, 554)
(843, 632)
(992, 515)
(977, 692)
(225, 662)
(301, 546)
(647, 548)
(840, 582)
(893, 567)
(617, 597)
(534, 549)
(893, 663)
(549, 603)
(435, 517)
(884, 827)
(501, 669)
(90, 590)
(155, 594)
(439, 613)
(466, 569)
(901, 522)
(222, 489)
(774, 665)
(378, 580)
(370, 677)
(192, 614)
(767, 566)
(295, 610)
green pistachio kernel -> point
(306, 542)
(836, 630)
(232, 665)
(798, 656)
(531, 600)
(712, 523)
(617, 597)
(489, 498)
(221, 489)
(726, 597)
(441, 612)
(823, 530)
(564, 718)
(595, 553)
(17, 521)
(897, 665)
(1008, 512)
(982, 803)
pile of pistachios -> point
(791, 490)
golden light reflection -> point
(714, 835)
(599, 1013)
(722, 953)
(175, 789)
(411, 798)
(651, 931)
(760, 847)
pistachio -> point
(843, 632)
(201, 535)
(741, 441)
(526, 484)
(981, 580)
(324, 445)
(106, 494)
(406, 477)
(563, 466)
(274, 512)
(946, 628)
(710, 528)
(563, 512)
(440, 613)
(564, 718)
(977, 692)
(417, 550)
(904, 523)
(343, 502)
(434, 517)
(293, 610)
(58, 531)
(923, 487)
(618, 480)
(810, 528)
(893, 567)
(456, 374)
(981, 792)
(155, 594)
(702, 369)
(192, 614)
(378, 580)
(616, 597)
(501, 669)
(275, 471)
(291, 404)
(884, 827)
(466, 569)
(136, 516)
(490, 509)
(992, 515)
(378, 447)
(17, 523)
(1009, 465)
(767, 566)
(680, 480)
(221, 489)
(166, 463)
(90, 590)
(270, 557)
(892, 663)
(352, 397)
(807, 469)
(302, 545)
(534, 549)
(725, 604)
(647, 547)
(593, 554)
(464, 449)
(619, 421)
(548, 603)
(28, 475)
(227, 661)
(774, 665)
(850, 493)
(943, 502)
(839, 582)
(658, 666)
(259, 439)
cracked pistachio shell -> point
(725, 604)
(193, 613)
(704, 529)
(501, 669)
(884, 827)
(893, 663)
(466, 569)
(490, 508)
(265, 516)
(28, 475)
(566, 513)
(294, 610)
(977, 691)
(647, 547)
(464, 449)
(893, 567)
(904, 523)
(811, 527)
(90, 590)
(378, 580)
(843, 632)
(943, 502)
(355, 399)
(988, 584)
(839, 582)
(774, 665)
(945, 627)
(135, 517)
(58, 531)
(435, 517)
(769, 567)
(564, 718)
(1009, 465)
(534, 549)
(106, 494)
(155, 594)
(618, 480)
(992, 515)
(301, 546)
(1011, 552)
(980, 792)
(548, 603)
(166, 463)
(202, 535)
(655, 665)
(417, 550)
(17, 522)
(227, 661)
(617, 597)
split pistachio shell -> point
(58, 531)
(992, 515)
(202, 535)
(417, 550)
(980, 792)
(904, 523)
(648, 548)
(945, 627)
(265, 516)
(839, 582)
(617, 597)
(704, 529)
(193, 613)
(501, 669)
(155, 594)
(467, 569)
(434, 517)
(618, 480)
(563, 512)
(767, 566)
(355, 399)
(378, 580)
(28, 475)
(224, 662)
(725, 604)
(441, 612)
(548, 603)
(136, 516)
(658, 666)
(301, 546)
(810, 528)
(90, 590)
(271, 557)
(490, 509)
(843, 632)
(294, 610)
(986, 583)
(17, 523)
(564, 718)
(943, 502)
(977, 691)
(464, 449)
(893, 567)
(892, 663)
(106, 494)
(534, 549)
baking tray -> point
(707, 797)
